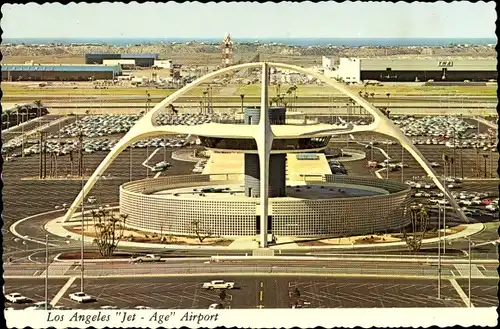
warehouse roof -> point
(429, 64)
(61, 68)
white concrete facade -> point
(164, 64)
(349, 70)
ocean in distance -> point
(352, 42)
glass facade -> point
(278, 144)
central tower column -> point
(264, 139)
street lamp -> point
(242, 97)
(485, 156)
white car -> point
(218, 284)
(39, 306)
(108, 307)
(140, 307)
(147, 258)
(81, 297)
(215, 306)
(16, 297)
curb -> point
(426, 277)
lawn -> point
(401, 90)
(10, 90)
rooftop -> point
(61, 68)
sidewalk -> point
(185, 156)
(245, 243)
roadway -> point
(252, 292)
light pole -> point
(46, 270)
(444, 205)
(130, 163)
(83, 227)
(402, 163)
(242, 97)
(470, 271)
(485, 156)
(387, 167)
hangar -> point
(142, 60)
(48, 72)
(417, 69)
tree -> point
(108, 228)
(38, 103)
(419, 223)
(201, 232)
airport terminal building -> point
(414, 69)
(141, 60)
(305, 198)
(48, 72)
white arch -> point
(145, 128)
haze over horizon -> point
(348, 20)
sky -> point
(251, 20)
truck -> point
(147, 258)
(218, 284)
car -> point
(16, 297)
(140, 307)
(215, 307)
(39, 306)
(108, 307)
(435, 164)
(147, 258)
(218, 284)
(62, 308)
(81, 297)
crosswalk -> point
(57, 269)
(463, 270)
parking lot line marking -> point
(36, 272)
(63, 290)
(311, 296)
(166, 296)
(461, 292)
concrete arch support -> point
(145, 128)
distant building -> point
(50, 72)
(142, 60)
(417, 69)
(164, 63)
(125, 64)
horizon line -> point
(246, 37)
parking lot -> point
(250, 292)
(23, 198)
(483, 291)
